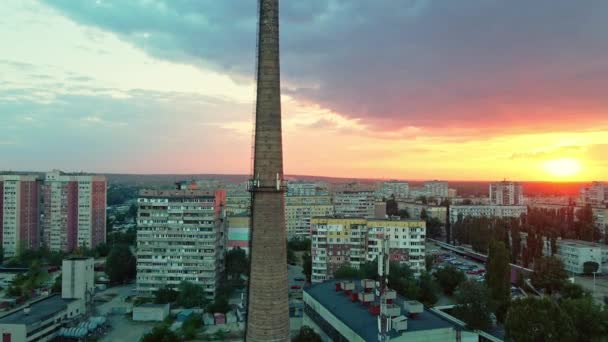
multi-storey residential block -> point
(486, 210)
(415, 210)
(238, 200)
(354, 204)
(452, 193)
(239, 232)
(179, 238)
(594, 194)
(575, 253)
(299, 209)
(301, 188)
(338, 241)
(19, 213)
(74, 211)
(398, 189)
(436, 188)
(506, 193)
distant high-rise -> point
(19, 213)
(506, 193)
(74, 211)
(268, 308)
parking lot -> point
(474, 270)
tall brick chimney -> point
(268, 307)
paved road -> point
(123, 328)
(601, 286)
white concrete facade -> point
(486, 210)
(78, 278)
(506, 193)
(354, 204)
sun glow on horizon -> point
(563, 167)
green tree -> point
(391, 207)
(102, 250)
(120, 264)
(56, 285)
(423, 214)
(307, 265)
(537, 320)
(369, 270)
(160, 333)
(346, 272)
(192, 326)
(306, 334)
(428, 290)
(433, 227)
(590, 267)
(220, 304)
(429, 261)
(573, 291)
(474, 305)
(589, 320)
(190, 295)
(165, 295)
(498, 277)
(549, 274)
(403, 213)
(291, 256)
(237, 263)
(449, 278)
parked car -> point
(299, 279)
(296, 287)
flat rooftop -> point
(39, 311)
(358, 318)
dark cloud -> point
(476, 64)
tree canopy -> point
(306, 334)
(449, 278)
(498, 277)
(549, 274)
(191, 295)
(120, 264)
(535, 320)
(474, 305)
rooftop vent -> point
(26, 311)
(413, 307)
(400, 323)
(366, 297)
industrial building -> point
(43, 320)
(349, 311)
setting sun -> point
(563, 167)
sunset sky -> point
(463, 90)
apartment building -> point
(238, 200)
(74, 211)
(347, 240)
(506, 193)
(436, 188)
(575, 253)
(19, 213)
(299, 209)
(486, 210)
(594, 194)
(301, 188)
(179, 238)
(415, 210)
(354, 204)
(398, 189)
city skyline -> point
(522, 102)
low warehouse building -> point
(151, 312)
